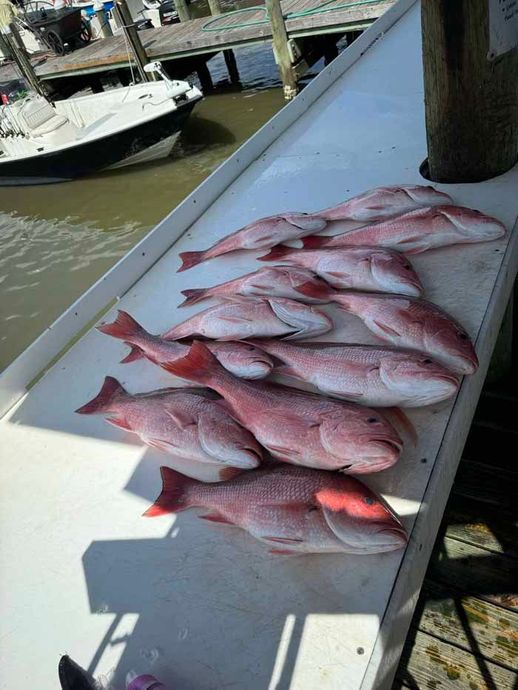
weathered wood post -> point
(281, 48)
(230, 58)
(184, 13)
(130, 29)
(104, 24)
(471, 95)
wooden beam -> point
(230, 58)
(184, 12)
(281, 49)
(471, 101)
(104, 25)
(130, 29)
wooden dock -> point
(464, 635)
(311, 30)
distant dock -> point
(310, 31)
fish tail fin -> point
(276, 254)
(314, 242)
(124, 327)
(190, 259)
(194, 295)
(400, 420)
(174, 496)
(198, 365)
(135, 353)
(111, 388)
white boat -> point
(42, 143)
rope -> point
(318, 9)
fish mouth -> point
(392, 538)
(372, 461)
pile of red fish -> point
(277, 460)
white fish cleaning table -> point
(205, 606)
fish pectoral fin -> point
(338, 274)
(283, 540)
(293, 318)
(214, 516)
(235, 319)
(161, 445)
(180, 418)
(338, 522)
(387, 329)
(119, 422)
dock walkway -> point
(464, 635)
(191, 38)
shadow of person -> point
(215, 609)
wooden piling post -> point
(471, 100)
(184, 13)
(130, 29)
(104, 24)
(230, 58)
(204, 76)
(281, 49)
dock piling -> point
(471, 99)
(184, 13)
(281, 49)
(230, 58)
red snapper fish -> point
(293, 509)
(359, 268)
(271, 281)
(415, 324)
(370, 375)
(419, 230)
(239, 318)
(241, 359)
(383, 202)
(295, 426)
(261, 234)
(184, 424)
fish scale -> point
(414, 324)
(295, 426)
(368, 374)
(295, 510)
(419, 230)
(181, 423)
(359, 268)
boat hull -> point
(136, 144)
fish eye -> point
(407, 266)
(369, 500)
(463, 336)
(372, 420)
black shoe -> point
(73, 677)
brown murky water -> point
(56, 240)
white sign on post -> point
(503, 27)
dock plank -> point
(436, 664)
(177, 41)
(476, 571)
(468, 622)
(478, 523)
